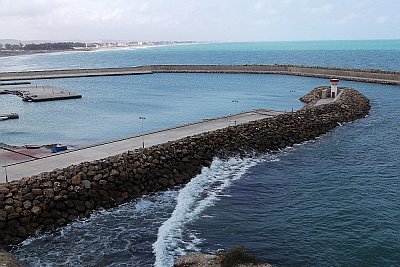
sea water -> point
(110, 107)
(332, 201)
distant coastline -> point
(91, 48)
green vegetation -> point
(236, 256)
(43, 46)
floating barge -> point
(8, 116)
(41, 98)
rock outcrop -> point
(207, 260)
(8, 260)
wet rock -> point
(97, 177)
(114, 172)
(3, 215)
(4, 190)
(61, 222)
(8, 260)
(48, 192)
(36, 210)
(76, 180)
(9, 209)
(86, 184)
(37, 191)
(27, 205)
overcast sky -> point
(199, 20)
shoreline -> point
(91, 49)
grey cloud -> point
(191, 19)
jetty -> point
(358, 75)
(72, 185)
(40, 93)
(28, 166)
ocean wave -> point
(200, 193)
(108, 238)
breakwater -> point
(359, 75)
(50, 200)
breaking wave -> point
(201, 192)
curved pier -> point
(358, 75)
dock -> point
(40, 93)
(32, 166)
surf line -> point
(200, 193)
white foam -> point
(201, 192)
(92, 237)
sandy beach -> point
(8, 53)
(26, 53)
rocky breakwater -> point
(50, 200)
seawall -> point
(53, 199)
(359, 75)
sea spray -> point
(123, 235)
(201, 192)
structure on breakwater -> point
(53, 199)
(359, 75)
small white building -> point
(334, 87)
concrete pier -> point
(71, 73)
(40, 93)
(31, 167)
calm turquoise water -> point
(111, 106)
(380, 54)
(330, 202)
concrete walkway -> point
(62, 160)
(73, 73)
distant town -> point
(15, 47)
